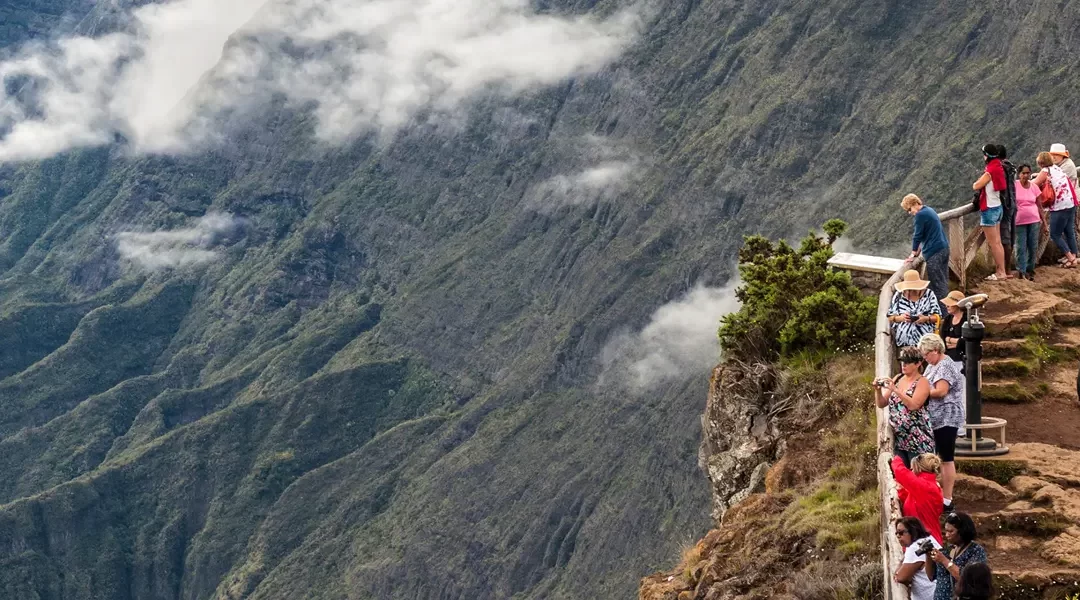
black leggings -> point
(945, 442)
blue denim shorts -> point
(990, 216)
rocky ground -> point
(1027, 502)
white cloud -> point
(177, 248)
(600, 182)
(679, 340)
(362, 66)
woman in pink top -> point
(1028, 223)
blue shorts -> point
(990, 217)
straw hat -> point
(912, 281)
(953, 298)
(1059, 149)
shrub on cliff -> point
(792, 301)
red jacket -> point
(920, 496)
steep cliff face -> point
(790, 453)
(741, 435)
(385, 377)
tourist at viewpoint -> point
(946, 406)
(1062, 207)
(944, 568)
(919, 494)
(1060, 155)
(952, 327)
(930, 241)
(912, 572)
(914, 310)
(976, 582)
(905, 396)
(1028, 223)
(989, 186)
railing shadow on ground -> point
(962, 250)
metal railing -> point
(962, 250)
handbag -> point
(1047, 195)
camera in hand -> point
(924, 547)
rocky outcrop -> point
(741, 437)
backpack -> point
(1008, 195)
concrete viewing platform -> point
(868, 273)
(864, 262)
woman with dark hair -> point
(905, 396)
(944, 568)
(976, 582)
(1028, 223)
(990, 186)
(914, 539)
(952, 327)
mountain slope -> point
(389, 383)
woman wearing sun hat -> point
(914, 310)
(952, 326)
(1063, 209)
(1060, 155)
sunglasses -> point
(901, 532)
(910, 361)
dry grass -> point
(839, 509)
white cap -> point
(1059, 149)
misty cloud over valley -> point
(178, 71)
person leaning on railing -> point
(929, 240)
(918, 491)
(914, 310)
(944, 568)
(915, 541)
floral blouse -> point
(912, 429)
(943, 581)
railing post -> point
(957, 253)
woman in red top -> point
(990, 185)
(920, 495)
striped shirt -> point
(909, 334)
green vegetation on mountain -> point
(389, 385)
(793, 302)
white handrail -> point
(884, 358)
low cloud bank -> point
(679, 340)
(179, 247)
(606, 170)
(182, 70)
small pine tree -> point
(792, 301)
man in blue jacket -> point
(930, 241)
